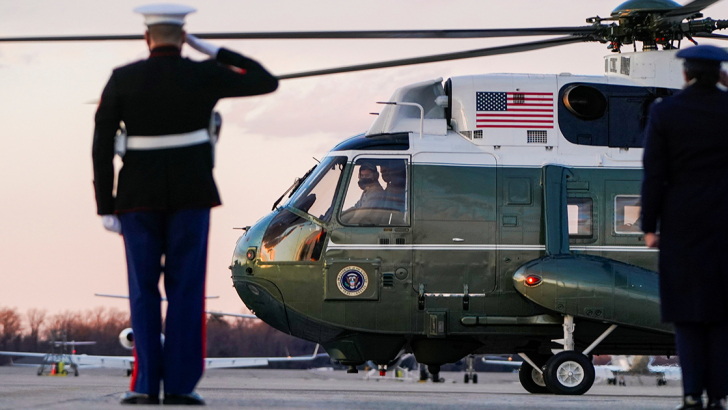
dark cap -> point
(367, 165)
(704, 53)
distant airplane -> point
(76, 361)
(637, 366)
(126, 339)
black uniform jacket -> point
(685, 197)
(163, 95)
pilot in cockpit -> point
(372, 195)
(394, 173)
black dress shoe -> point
(191, 398)
(691, 403)
(717, 404)
(132, 397)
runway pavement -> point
(20, 388)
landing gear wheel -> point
(475, 379)
(467, 378)
(532, 380)
(569, 373)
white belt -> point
(167, 141)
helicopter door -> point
(454, 227)
(373, 236)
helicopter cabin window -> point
(581, 217)
(377, 194)
(317, 193)
(627, 209)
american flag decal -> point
(514, 110)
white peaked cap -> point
(164, 13)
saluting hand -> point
(202, 46)
(652, 240)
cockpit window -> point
(627, 210)
(317, 194)
(377, 194)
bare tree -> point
(35, 317)
(10, 327)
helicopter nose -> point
(264, 299)
(252, 281)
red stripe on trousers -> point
(204, 327)
(134, 373)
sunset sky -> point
(54, 253)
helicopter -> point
(506, 219)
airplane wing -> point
(164, 299)
(233, 362)
(22, 354)
(670, 372)
(125, 362)
(211, 312)
(114, 362)
(220, 314)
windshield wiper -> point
(293, 188)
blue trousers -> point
(181, 237)
(703, 358)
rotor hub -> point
(631, 7)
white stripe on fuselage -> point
(480, 247)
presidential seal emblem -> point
(352, 281)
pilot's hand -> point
(111, 223)
(652, 240)
(202, 46)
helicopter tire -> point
(532, 380)
(569, 373)
(466, 378)
(475, 379)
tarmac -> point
(20, 388)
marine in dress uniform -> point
(165, 191)
(685, 212)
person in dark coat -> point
(165, 191)
(685, 212)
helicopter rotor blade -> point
(691, 8)
(114, 37)
(711, 35)
(491, 51)
(377, 34)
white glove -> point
(202, 46)
(111, 223)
